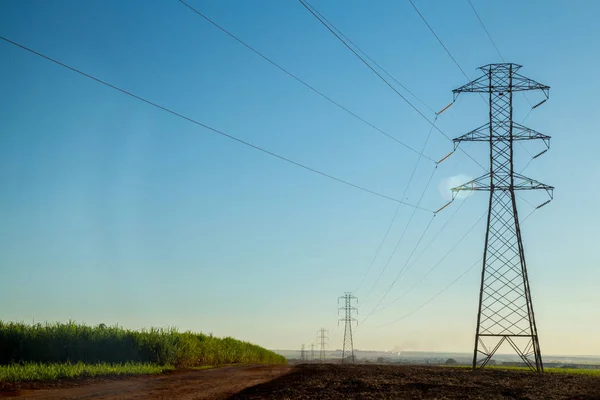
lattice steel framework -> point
(505, 308)
(322, 338)
(348, 348)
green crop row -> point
(555, 370)
(49, 372)
(582, 371)
(71, 342)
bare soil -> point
(321, 381)
(330, 381)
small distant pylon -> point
(302, 353)
(312, 352)
(348, 348)
(321, 338)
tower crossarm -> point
(524, 183)
(479, 85)
(518, 82)
(521, 83)
(520, 182)
(519, 132)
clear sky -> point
(113, 211)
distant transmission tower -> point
(505, 307)
(321, 338)
(312, 352)
(348, 310)
(302, 353)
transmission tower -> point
(505, 308)
(302, 353)
(312, 352)
(348, 319)
(321, 338)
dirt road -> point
(211, 384)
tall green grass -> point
(50, 372)
(73, 343)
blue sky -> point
(116, 212)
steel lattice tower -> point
(302, 353)
(312, 352)
(322, 337)
(348, 319)
(505, 307)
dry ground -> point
(209, 384)
(331, 381)
(328, 381)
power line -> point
(339, 34)
(401, 271)
(439, 40)
(527, 116)
(313, 12)
(447, 254)
(528, 102)
(458, 65)
(438, 233)
(437, 264)
(496, 47)
(497, 50)
(443, 258)
(524, 168)
(432, 241)
(404, 269)
(248, 144)
(391, 224)
(447, 287)
(434, 296)
(372, 60)
(446, 49)
(401, 238)
(293, 76)
(303, 82)
(486, 31)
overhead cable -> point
(295, 77)
(214, 130)
(313, 12)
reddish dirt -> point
(328, 381)
(210, 384)
(331, 381)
